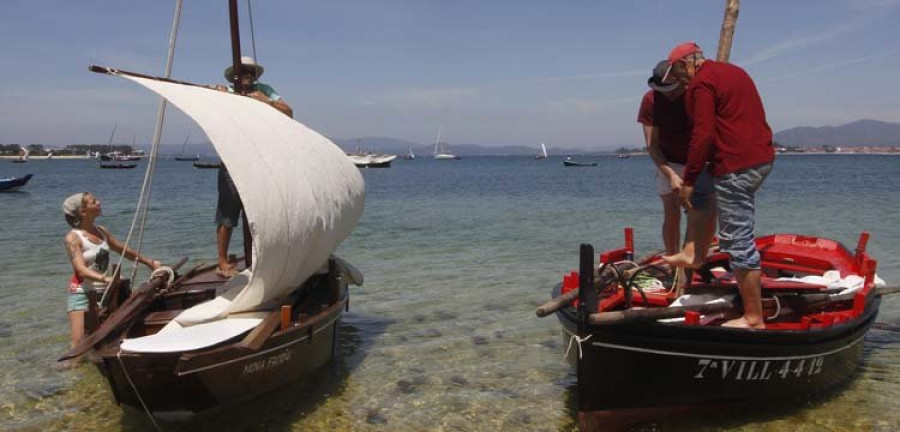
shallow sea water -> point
(456, 256)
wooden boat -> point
(571, 163)
(207, 165)
(118, 165)
(10, 184)
(184, 158)
(195, 341)
(370, 160)
(638, 357)
(293, 338)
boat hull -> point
(197, 382)
(579, 164)
(118, 165)
(204, 165)
(649, 370)
(13, 184)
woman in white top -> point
(88, 247)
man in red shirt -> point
(731, 134)
(667, 133)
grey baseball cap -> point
(656, 80)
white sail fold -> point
(301, 193)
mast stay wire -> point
(252, 35)
(143, 206)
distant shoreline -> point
(55, 157)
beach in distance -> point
(456, 256)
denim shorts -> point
(77, 302)
(228, 208)
(703, 187)
(735, 194)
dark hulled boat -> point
(207, 165)
(296, 337)
(11, 184)
(637, 358)
(118, 165)
(572, 163)
(197, 341)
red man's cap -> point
(683, 50)
(679, 52)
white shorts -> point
(703, 187)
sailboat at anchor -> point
(193, 341)
(442, 149)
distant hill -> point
(855, 134)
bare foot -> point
(743, 323)
(682, 260)
(227, 272)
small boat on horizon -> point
(207, 165)
(117, 165)
(369, 159)
(12, 184)
(23, 156)
(442, 149)
(569, 162)
(182, 157)
(409, 154)
(543, 153)
(643, 351)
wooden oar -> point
(556, 304)
(126, 312)
(631, 316)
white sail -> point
(543, 150)
(301, 193)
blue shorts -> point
(228, 208)
(735, 193)
(77, 302)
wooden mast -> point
(727, 34)
(235, 46)
(239, 88)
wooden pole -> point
(239, 88)
(235, 46)
(727, 34)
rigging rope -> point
(252, 36)
(143, 206)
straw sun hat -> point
(247, 62)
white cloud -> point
(832, 65)
(802, 40)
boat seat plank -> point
(161, 318)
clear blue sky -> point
(494, 72)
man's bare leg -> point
(749, 284)
(671, 228)
(223, 238)
(697, 239)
